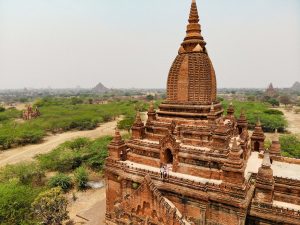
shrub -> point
(126, 123)
(273, 112)
(81, 178)
(25, 173)
(50, 207)
(290, 145)
(2, 109)
(15, 202)
(61, 180)
(77, 143)
(60, 159)
(72, 154)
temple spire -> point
(193, 42)
(194, 17)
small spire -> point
(138, 120)
(221, 121)
(235, 145)
(258, 123)
(266, 163)
(117, 139)
(151, 107)
(230, 110)
(276, 136)
(212, 107)
(242, 113)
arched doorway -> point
(168, 156)
(256, 146)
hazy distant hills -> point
(296, 86)
(100, 88)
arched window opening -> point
(256, 146)
(168, 156)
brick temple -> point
(271, 91)
(216, 172)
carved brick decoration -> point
(190, 165)
(146, 205)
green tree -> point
(285, 99)
(126, 123)
(50, 207)
(150, 97)
(76, 101)
(273, 102)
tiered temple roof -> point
(190, 164)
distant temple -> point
(30, 113)
(271, 92)
(190, 164)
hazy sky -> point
(132, 43)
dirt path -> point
(89, 208)
(27, 153)
(293, 121)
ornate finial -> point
(194, 17)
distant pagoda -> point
(190, 165)
(271, 92)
